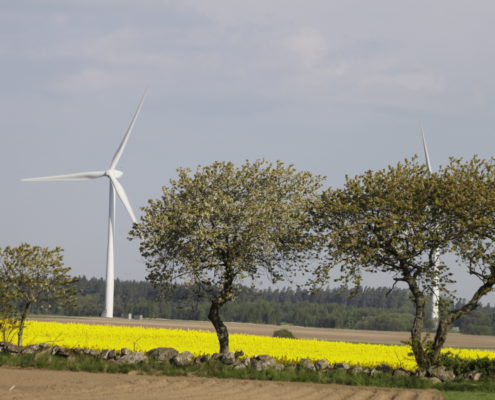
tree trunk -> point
(21, 324)
(440, 337)
(222, 332)
(417, 331)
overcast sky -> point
(334, 87)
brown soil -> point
(29, 384)
(348, 335)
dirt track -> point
(349, 335)
(29, 384)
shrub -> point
(284, 333)
(461, 366)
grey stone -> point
(132, 358)
(12, 348)
(162, 353)
(31, 349)
(44, 346)
(357, 369)
(401, 372)
(433, 380)
(104, 354)
(54, 350)
(202, 359)
(321, 365)
(183, 359)
(227, 358)
(205, 358)
(246, 361)
(264, 362)
(307, 364)
(62, 352)
(444, 374)
(384, 368)
(420, 372)
(94, 353)
(259, 365)
(239, 365)
(375, 372)
(278, 367)
(112, 355)
(78, 350)
(341, 366)
(475, 376)
(125, 351)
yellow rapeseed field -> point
(101, 337)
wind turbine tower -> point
(435, 293)
(113, 174)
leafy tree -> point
(222, 224)
(396, 220)
(32, 275)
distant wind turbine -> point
(435, 294)
(112, 174)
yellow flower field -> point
(101, 337)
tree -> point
(32, 275)
(223, 224)
(396, 220)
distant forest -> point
(369, 308)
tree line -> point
(368, 308)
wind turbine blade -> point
(425, 148)
(80, 176)
(123, 197)
(121, 148)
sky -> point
(332, 87)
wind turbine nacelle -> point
(115, 173)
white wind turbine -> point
(112, 174)
(436, 293)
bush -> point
(461, 365)
(284, 333)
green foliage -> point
(381, 218)
(462, 365)
(31, 275)
(283, 333)
(213, 228)
(397, 220)
(386, 321)
(225, 223)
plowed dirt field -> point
(31, 384)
